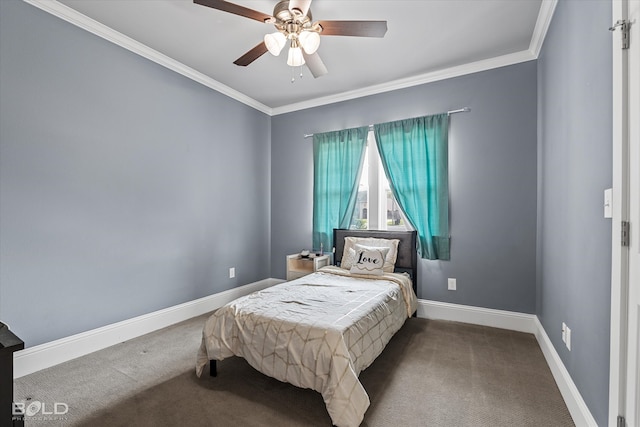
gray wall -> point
(492, 181)
(124, 187)
(575, 157)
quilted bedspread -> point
(317, 332)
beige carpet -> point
(432, 373)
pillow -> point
(369, 261)
(349, 251)
(348, 258)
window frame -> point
(377, 185)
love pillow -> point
(369, 261)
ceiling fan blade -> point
(225, 6)
(354, 28)
(315, 64)
(301, 5)
(252, 55)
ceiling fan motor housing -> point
(290, 22)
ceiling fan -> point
(294, 24)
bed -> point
(321, 330)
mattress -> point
(319, 332)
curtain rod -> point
(450, 112)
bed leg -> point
(213, 368)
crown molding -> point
(70, 15)
(547, 8)
(542, 26)
(78, 19)
(447, 73)
(543, 22)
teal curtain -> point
(414, 154)
(337, 164)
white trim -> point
(520, 322)
(447, 73)
(42, 356)
(78, 19)
(572, 397)
(542, 26)
(49, 354)
(620, 202)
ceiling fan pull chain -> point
(293, 76)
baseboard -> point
(572, 397)
(49, 354)
(45, 355)
(520, 322)
(523, 323)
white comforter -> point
(317, 332)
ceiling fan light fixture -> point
(295, 58)
(293, 21)
(310, 41)
(275, 42)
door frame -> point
(620, 205)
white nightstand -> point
(298, 266)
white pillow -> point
(348, 258)
(369, 261)
(349, 251)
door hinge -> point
(624, 234)
(621, 421)
(624, 27)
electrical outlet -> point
(567, 336)
(232, 272)
(451, 284)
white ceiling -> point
(426, 40)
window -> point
(376, 207)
